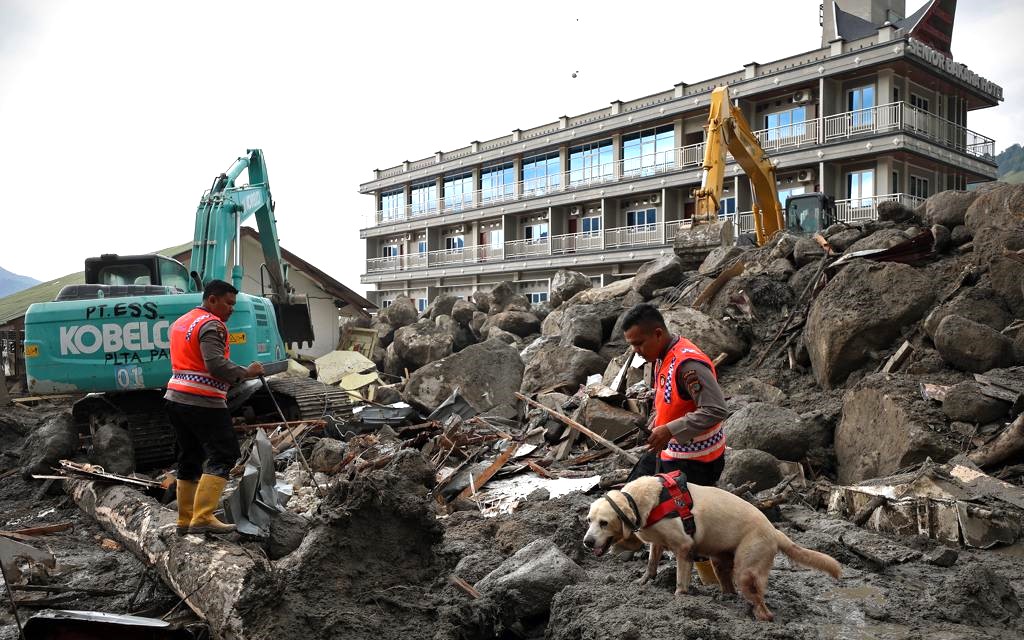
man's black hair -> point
(218, 288)
(643, 315)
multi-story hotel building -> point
(877, 113)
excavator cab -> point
(809, 213)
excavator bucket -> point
(693, 244)
(294, 323)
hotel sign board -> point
(955, 69)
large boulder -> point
(45, 447)
(520, 323)
(776, 430)
(806, 251)
(565, 284)
(746, 465)
(863, 308)
(487, 375)
(887, 426)
(442, 305)
(979, 304)
(996, 220)
(478, 322)
(659, 273)
(882, 239)
(400, 313)
(965, 402)
(422, 343)
(554, 367)
(462, 335)
(482, 300)
(608, 421)
(112, 449)
(527, 581)
(552, 324)
(948, 208)
(393, 364)
(894, 211)
(617, 289)
(712, 336)
(756, 388)
(505, 298)
(590, 325)
(385, 332)
(462, 311)
(843, 240)
(971, 346)
(719, 258)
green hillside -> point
(1011, 164)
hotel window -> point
(918, 187)
(389, 251)
(648, 151)
(642, 218)
(785, 124)
(497, 182)
(726, 206)
(421, 304)
(896, 188)
(860, 187)
(592, 225)
(392, 204)
(919, 102)
(458, 192)
(421, 246)
(384, 304)
(861, 101)
(537, 231)
(424, 198)
(537, 298)
(592, 161)
(453, 243)
(541, 173)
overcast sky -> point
(116, 116)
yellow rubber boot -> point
(207, 498)
(706, 573)
(186, 502)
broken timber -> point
(604, 442)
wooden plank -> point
(601, 440)
(899, 358)
(464, 586)
(479, 481)
(51, 528)
(716, 285)
(540, 471)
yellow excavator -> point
(728, 131)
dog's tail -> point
(806, 557)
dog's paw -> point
(644, 579)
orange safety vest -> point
(188, 369)
(670, 405)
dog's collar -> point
(634, 524)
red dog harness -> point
(676, 501)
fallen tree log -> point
(211, 575)
(1006, 445)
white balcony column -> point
(517, 172)
(477, 196)
(821, 110)
(604, 222)
(563, 165)
(551, 227)
(407, 200)
(440, 193)
(617, 155)
(677, 142)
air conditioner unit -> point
(802, 97)
(575, 210)
(655, 198)
(806, 175)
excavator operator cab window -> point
(173, 273)
(124, 274)
(803, 215)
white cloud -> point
(115, 116)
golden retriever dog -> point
(734, 534)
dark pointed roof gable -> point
(932, 24)
(850, 27)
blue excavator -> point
(108, 338)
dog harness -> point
(676, 502)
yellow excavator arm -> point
(728, 131)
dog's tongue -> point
(599, 551)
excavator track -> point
(142, 414)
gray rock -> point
(799, 280)
(552, 325)
(560, 368)
(887, 426)
(666, 271)
(948, 208)
(960, 235)
(482, 300)
(581, 329)
(565, 284)
(844, 239)
(942, 239)
(942, 556)
(327, 455)
(712, 336)
(540, 494)
(608, 421)
(718, 258)
(442, 306)
(474, 566)
(751, 386)
(894, 212)
(387, 394)
(462, 335)
(422, 343)
(780, 269)
(806, 251)
(745, 465)
(979, 304)
(112, 449)
(776, 430)
(783, 245)
(996, 222)
(970, 346)
(617, 289)
(542, 310)
(505, 298)
(400, 313)
(965, 402)
(878, 240)
(477, 323)
(385, 332)
(494, 333)
(519, 323)
(463, 311)
(45, 447)
(287, 531)
(531, 577)
(847, 321)
(393, 364)
(487, 375)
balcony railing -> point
(893, 117)
(650, 235)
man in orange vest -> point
(196, 402)
(688, 404)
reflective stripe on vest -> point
(189, 373)
(671, 405)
